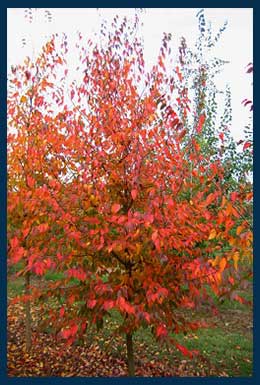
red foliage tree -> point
(129, 223)
(34, 150)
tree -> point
(128, 227)
(32, 142)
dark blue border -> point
(3, 192)
(256, 183)
(132, 4)
(84, 4)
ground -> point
(225, 348)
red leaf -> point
(28, 75)
(134, 194)
(48, 262)
(83, 326)
(182, 134)
(246, 102)
(39, 268)
(157, 244)
(19, 253)
(91, 303)
(30, 181)
(250, 69)
(161, 331)
(179, 73)
(146, 317)
(74, 329)
(184, 350)
(66, 333)
(77, 273)
(108, 304)
(62, 311)
(200, 123)
(75, 235)
(154, 235)
(150, 108)
(121, 303)
(125, 306)
(246, 145)
(129, 308)
(221, 136)
(14, 242)
(233, 196)
(43, 227)
(26, 232)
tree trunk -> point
(28, 319)
(130, 355)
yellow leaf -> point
(212, 234)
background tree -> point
(199, 71)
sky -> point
(25, 38)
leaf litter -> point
(99, 355)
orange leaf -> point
(23, 99)
(222, 264)
(235, 259)
(115, 208)
(239, 229)
(210, 198)
(212, 234)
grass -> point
(15, 286)
(231, 350)
(53, 276)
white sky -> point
(235, 44)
